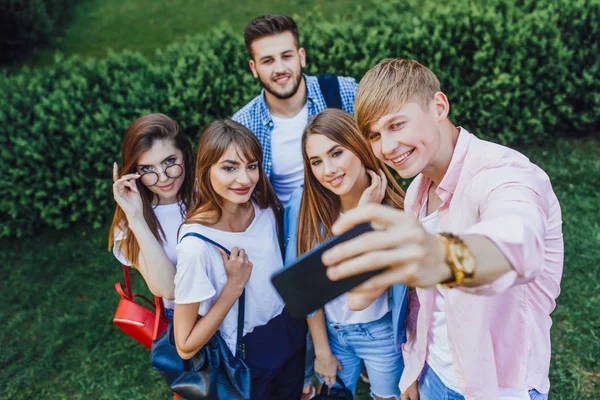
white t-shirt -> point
(439, 357)
(170, 218)
(286, 151)
(201, 274)
(337, 310)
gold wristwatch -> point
(459, 258)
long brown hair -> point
(320, 207)
(139, 138)
(214, 141)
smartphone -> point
(303, 284)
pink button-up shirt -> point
(499, 334)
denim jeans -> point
(432, 388)
(371, 344)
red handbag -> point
(138, 321)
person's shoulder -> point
(347, 81)
(247, 113)
(348, 87)
(295, 197)
(491, 165)
(187, 239)
(292, 207)
(483, 155)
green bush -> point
(515, 71)
(26, 24)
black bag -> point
(334, 393)
(214, 372)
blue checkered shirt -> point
(256, 115)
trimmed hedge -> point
(514, 71)
(25, 24)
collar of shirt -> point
(445, 190)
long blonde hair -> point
(320, 207)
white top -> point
(170, 218)
(337, 310)
(286, 152)
(201, 274)
(439, 357)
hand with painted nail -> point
(126, 193)
(399, 245)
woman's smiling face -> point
(234, 177)
(334, 166)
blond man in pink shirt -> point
(480, 239)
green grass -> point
(58, 341)
(145, 25)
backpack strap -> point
(330, 87)
(240, 351)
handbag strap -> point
(129, 294)
(128, 290)
(338, 380)
(240, 349)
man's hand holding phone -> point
(398, 244)
(304, 285)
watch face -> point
(463, 258)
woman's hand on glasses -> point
(126, 193)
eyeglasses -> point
(151, 178)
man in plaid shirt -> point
(289, 99)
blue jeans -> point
(371, 344)
(432, 388)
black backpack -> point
(330, 87)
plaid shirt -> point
(256, 115)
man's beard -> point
(270, 87)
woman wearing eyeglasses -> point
(153, 190)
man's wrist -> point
(445, 271)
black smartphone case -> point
(303, 284)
